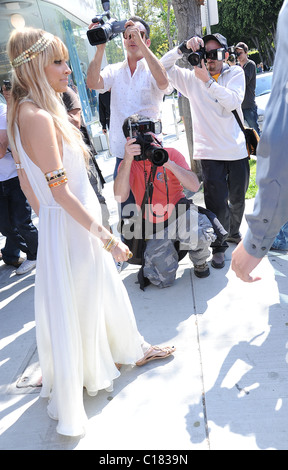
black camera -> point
(151, 149)
(104, 32)
(196, 58)
(7, 84)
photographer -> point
(194, 231)
(137, 85)
(214, 90)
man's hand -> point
(195, 43)
(100, 47)
(131, 150)
(202, 72)
(134, 34)
(243, 264)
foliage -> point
(253, 188)
(160, 16)
(251, 21)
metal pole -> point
(207, 13)
(131, 7)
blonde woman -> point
(84, 319)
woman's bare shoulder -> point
(32, 118)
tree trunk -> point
(188, 17)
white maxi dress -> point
(84, 318)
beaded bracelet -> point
(58, 183)
(53, 175)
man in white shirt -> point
(214, 91)
(138, 84)
(15, 211)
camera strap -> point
(149, 187)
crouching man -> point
(171, 221)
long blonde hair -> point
(29, 81)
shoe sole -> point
(202, 274)
(217, 265)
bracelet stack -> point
(112, 242)
(59, 175)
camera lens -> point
(159, 156)
(194, 59)
(100, 34)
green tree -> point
(251, 21)
(160, 16)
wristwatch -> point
(209, 83)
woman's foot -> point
(155, 352)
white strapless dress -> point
(84, 318)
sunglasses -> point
(128, 36)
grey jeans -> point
(195, 234)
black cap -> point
(216, 37)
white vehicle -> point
(262, 94)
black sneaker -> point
(202, 270)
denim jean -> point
(281, 240)
(15, 220)
(10, 252)
(251, 117)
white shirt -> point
(138, 93)
(7, 164)
(216, 133)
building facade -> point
(67, 19)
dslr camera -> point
(151, 148)
(196, 58)
(105, 31)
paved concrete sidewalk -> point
(225, 388)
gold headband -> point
(32, 52)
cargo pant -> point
(195, 234)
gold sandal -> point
(155, 352)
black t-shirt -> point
(250, 77)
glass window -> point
(72, 31)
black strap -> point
(239, 121)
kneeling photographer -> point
(170, 221)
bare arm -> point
(157, 69)
(186, 177)
(74, 116)
(94, 79)
(3, 143)
(40, 142)
(121, 184)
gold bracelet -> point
(112, 243)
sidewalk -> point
(225, 387)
